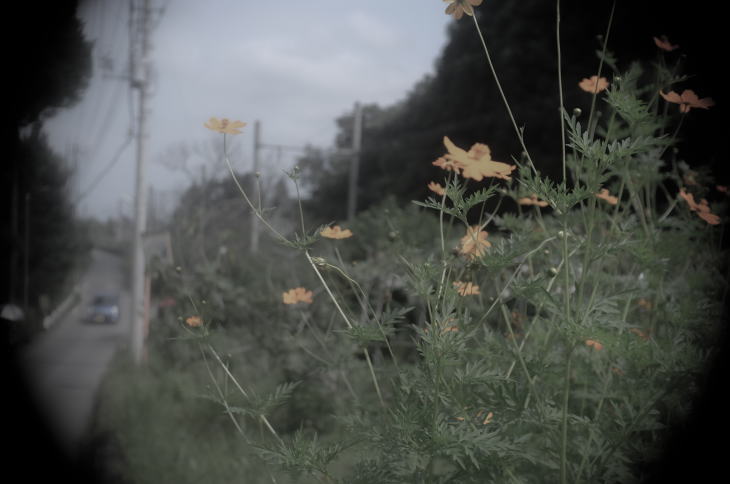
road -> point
(64, 366)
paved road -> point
(64, 366)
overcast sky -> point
(294, 65)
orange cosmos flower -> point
(702, 209)
(448, 165)
(224, 125)
(194, 321)
(644, 304)
(703, 212)
(595, 344)
(532, 200)
(488, 418)
(335, 232)
(641, 334)
(604, 195)
(437, 188)
(476, 163)
(663, 43)
(458, 8)
(466, 288)
(689, 198)
(594, 84)
(474, 244)
(298, 294)
(687, 100)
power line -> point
(106, 169)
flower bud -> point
(319, 261)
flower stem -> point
(504, 98)
(349, 325)
(600, 66)
(564, 424)
(560, 87)
(256, 211)
(262, 417)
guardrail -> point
(63, 309)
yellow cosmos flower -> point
(335, 232)
(437, 188)
(641, 334)
(194, 321)
(458, 8)
(448, 165)
(466, 288)
(702, 209)
(476, 163)
(604, 195)
(687, 100)
(474, 244)
(224, 125)
(296, 295)
(532, 200)
(595, 344)
(488, 418)
(594, 84)
(644, 304)
(663, 43)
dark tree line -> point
(49, 65)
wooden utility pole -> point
(254, 245)
(354, 162)
(140, 77)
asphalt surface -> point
(59, 373)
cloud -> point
(372, 30)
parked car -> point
(104, 308)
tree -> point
(50, 64)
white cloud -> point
(373, 30)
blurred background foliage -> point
(34, 180)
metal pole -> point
(13, 233)
(26, 254)
(254, 220)
(140, 205)
(354, 162)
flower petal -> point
(671, 97)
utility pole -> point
(354, 162)
(26, 253)
(140, 77)
(13, 234)
(254, 246)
